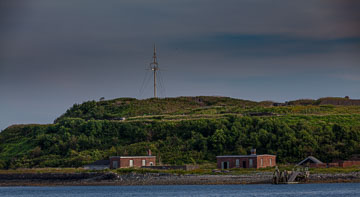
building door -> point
(224, 165)
(250, 163)
(131, 163)
(115, 165)
(244, 164)
(143, 163)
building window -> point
(237, 163)
(270, 162)
(261, 162)
(151, 164)
(250, 163)
(143, 163)
(131, 163)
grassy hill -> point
(204, 107)
(186, 130)
(130, 107)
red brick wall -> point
(137, 161)
(256, 161)
(330, 165)
(317, 165)
(349, 163)
(342, 164)
(266, 161)
(232, 161)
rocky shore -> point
(352, 177)
(109, 178)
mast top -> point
(154, 57)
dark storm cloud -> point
(55, 53)
(268, 45)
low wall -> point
(318, 165)
(330, 165)
(349, 163)
(342, 164)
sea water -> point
(318, 190)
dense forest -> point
(183, 130)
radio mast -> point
(154, 66)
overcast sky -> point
(56, 53)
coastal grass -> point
(334, 170)
(204, 169)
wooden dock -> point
(290, 177)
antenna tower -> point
(154, 66)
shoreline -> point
(132, 179)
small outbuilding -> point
(246, 161)
(98, 165)
(132, 161)
(310, 161)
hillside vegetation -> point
(130, 107)
(184, 130)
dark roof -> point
(100, 163)
(310, 159)
(225, 156)
(132, 157)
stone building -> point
(246, 161)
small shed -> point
(309, 160)
(98, 165)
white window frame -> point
(131, 163)
(143, 162)
(237, 163)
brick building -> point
(312, 162)
(132, 161)
(246, 161)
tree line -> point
(73, 142)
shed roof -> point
(222, 156)
(309, 159)
(128, 157)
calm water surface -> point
(328, 190)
